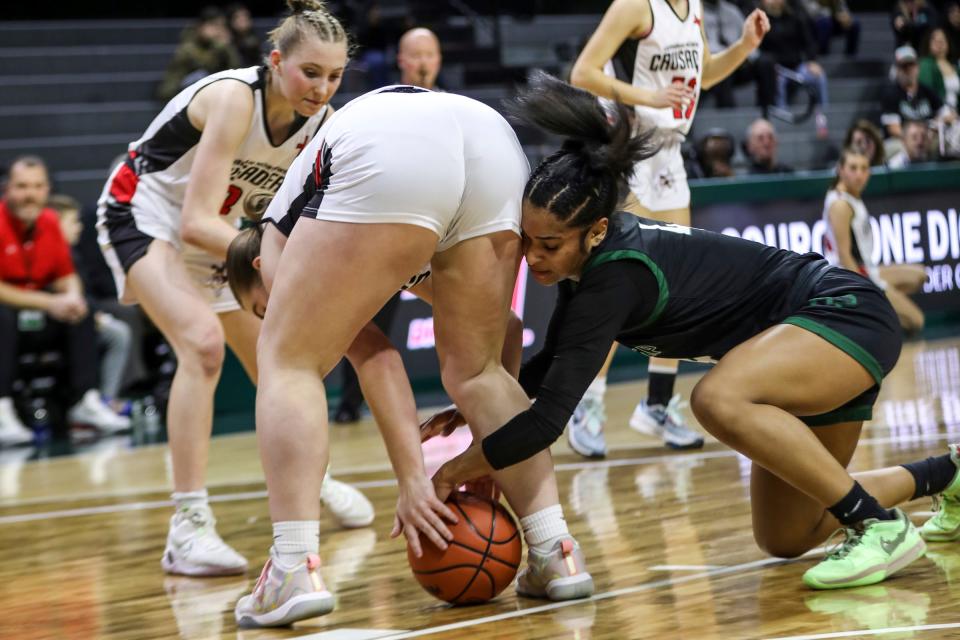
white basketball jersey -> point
(861, 235)
(157, 167)
(672, 52)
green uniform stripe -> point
(860, 413)
(633, 254)
(840, 341)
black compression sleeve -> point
(595, 314)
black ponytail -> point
(579, 183)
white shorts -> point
(660, 183)
(402, 155)
(127, 226)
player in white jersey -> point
(849, 240)
(397, 178)
(216, 153)
(653, 55)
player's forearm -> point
(722, 64)
(385, 386)
(211, 234)
(600, 84)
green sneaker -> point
(873, 551)
(945, 525)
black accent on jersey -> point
(855, 248)
(171, 141)
(307, 203)
(672, 10)
(624, 60)
(404, 89)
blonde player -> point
(653, 55)
(217, 152)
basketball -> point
(480, 561)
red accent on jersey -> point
(697, 21)
(124, 185)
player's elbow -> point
(580, 76)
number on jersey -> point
(233, 195)
(680, 114)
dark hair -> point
(873, 132)
(308, 17)
(928, 36)
(62, 203)
(846, 152)
(579, 183)
(241, 273)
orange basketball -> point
(480, 561)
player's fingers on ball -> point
(444, 511)
(432, 535)
(438, 525)
(414, 541)
(397, 526)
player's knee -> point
(204, 348)
(713, 404)
(461, 377)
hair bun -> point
(303, 6)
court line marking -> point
(684, 567)
(351, 634)
(372, 484)
(607, 595)
(865, 632)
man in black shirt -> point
(907, 99)
(760, 144)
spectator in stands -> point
(830, 18)
(714, 155)
(374, 40)
(36, 273)
(866, 138)
(245, 40)
(205, 48)
(916, 145)
(911, 19)
(951, 27)
(114, 336)
(936, 70)
(907, 99)
(723, 24)
(760, 145)
(419, 58)
(791, 45)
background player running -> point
(653, 56)
(165, 226)
(798, 344)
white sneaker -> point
(195, 549)
(350, 507)
(665, 422)
(92, 410)
(12, 431)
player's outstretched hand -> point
(755, 27)
(419, 511)
(442, 423)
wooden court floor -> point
(667, 538)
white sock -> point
(294, 539)
(542, 529)
(186, 499)
(597, 388)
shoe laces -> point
(837, 550)
(673, 408)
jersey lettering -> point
(669, 227)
